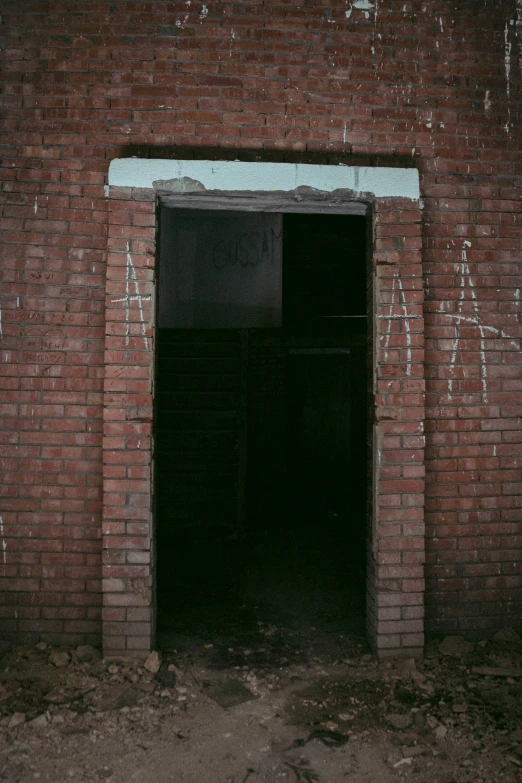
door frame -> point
(391, 198)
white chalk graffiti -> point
(518, 29)
(472, 319)
(398, 297)
(4, 545)
(507, 66)
(132, 280)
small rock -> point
(113, 697)
(403, 761)
(41, 646)
(16, 719)
(166, 675)
(86, 654)
(146, 686)
(462, 707)
(59, 695)
(455, 646)
(405, 667)
(414, 750)
(152, 664)
(399, 721)
(40, 722)
(440, 732)
(506, 635)
(59, 658)
(419, 720)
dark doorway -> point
(260, 425)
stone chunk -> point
(152, 664)
(506, 635)
(16, 719)
(59, 658)
(86, 654)
(398, 720)
(456, 646)
(39, 722)
(114, 697)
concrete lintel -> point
(382, 182)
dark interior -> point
(261, 455)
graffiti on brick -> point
(41, 357)
(46, 277)
(132, 282)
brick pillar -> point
(395, 609)
(128, 579)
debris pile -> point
(460, 706)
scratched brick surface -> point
(435, 82)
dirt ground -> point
(283, 708)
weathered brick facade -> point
(346, 82)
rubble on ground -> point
(459, 706)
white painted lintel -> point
(381, 182)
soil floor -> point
(265, 704)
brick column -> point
(395, 609)
(128, 579)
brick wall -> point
(436, 81)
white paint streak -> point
(457, 334)
(204, 12)
(35, 205)
(507, 67)
(360, 5)
(389, 319)
(398, 297)
(518, 29)
(4, 545)
(467, 282)
(106, 191)
(130, 278)
(441, 24)
(402, 299)
(507, 58)
(487, 102)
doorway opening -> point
(261, 428)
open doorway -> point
(261, 425)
